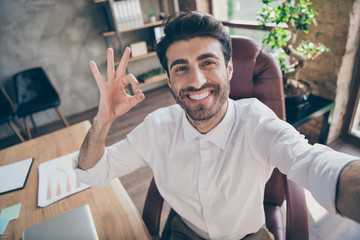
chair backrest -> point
(256, 74)
(32, 84)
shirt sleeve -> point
(314, 167)
(118, 160)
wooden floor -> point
(322, 224)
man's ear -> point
(168, 79)
(230, 69)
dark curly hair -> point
(188, 25)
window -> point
(351, 126)
(355, 128)
(244, 11)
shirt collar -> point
(218, 135)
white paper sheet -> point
(13, 176)
(57, 180)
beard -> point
(201, 111)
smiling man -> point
(211, 156)
(199, 80)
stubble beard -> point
(200, 112)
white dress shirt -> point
(215, 181)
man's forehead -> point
(194, 48)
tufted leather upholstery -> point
(256, 74)
(35, 93)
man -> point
(211, 156)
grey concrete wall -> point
(62, 37)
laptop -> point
(74, 224)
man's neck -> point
(205, 126)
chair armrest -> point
(297, 227)
(152, 209)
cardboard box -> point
(138, 49)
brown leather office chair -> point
(256, 74)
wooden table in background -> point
(317, 107)
(114, 213)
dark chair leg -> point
(33, 123)
(62, 116)
(28, 133)
(16, 131)
(19, 126)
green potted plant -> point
(152, 17)
(290, 18)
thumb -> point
(138, 97)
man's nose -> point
(197, 78)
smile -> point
(199, 96)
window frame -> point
(354, 100)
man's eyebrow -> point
(178, 61)
(206, 55)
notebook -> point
(13, 176)
(74, 224)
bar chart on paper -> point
(57, 180)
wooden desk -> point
(115, 215)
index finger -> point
(110, 64)
(120, 71)
(96, 73)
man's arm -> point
(114, 102)
(348, 191)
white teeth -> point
(199, 96)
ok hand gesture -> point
(114, 101)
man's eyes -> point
(206, 63)
(180, 69)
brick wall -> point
(331, 74)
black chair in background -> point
(7, 112)
(35, 93)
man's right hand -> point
(114, 101)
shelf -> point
(154, 79)
(146, 25)
(150, 54)
(132, 59)
(125, 37)
(107, 34)
(154, 82)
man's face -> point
(198, 77)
